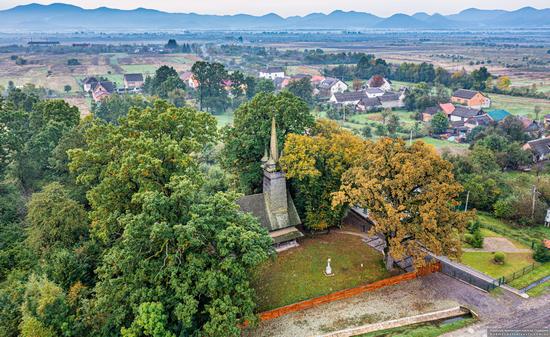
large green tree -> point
(246, 141)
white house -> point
(379, 82)
(374, 92)
(462, 113)
(272, 73)
(331, 85)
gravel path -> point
(432, 292)
(496, 244)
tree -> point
(166, 80)
(302, 88)
(439, 123)
(315, 164)
(393, 123)
(366, 132)
(114, 107)
(266, 86)
(503, 83)
(67, 88)
(210, 76)
(247, 139)
(55, 220)
(410, 193)
(172, 44)
(357, 84)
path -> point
(497, 244)
(536, 283)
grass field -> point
(298, 274)
(422, 330)
(145, 69)
(484, 263)
(541, 289)
(519, 105)
(523, 235)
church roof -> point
(255, 204)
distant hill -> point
(62, 17)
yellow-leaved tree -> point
(410, 193)
(315, 163)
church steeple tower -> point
(271, 164)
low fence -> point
(456, 270)
(517, 274)
(347, 293)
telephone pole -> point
(467, 199)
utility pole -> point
(467, 199)
(534, 199)
(411, 138)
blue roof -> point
(498, 115)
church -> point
(274, 206)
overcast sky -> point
(299, 7)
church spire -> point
(274, 152)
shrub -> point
(542, 254)
(504, 208)
(474, 226)
(468, 238)
(499, 257)
(477, 241)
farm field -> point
(297, 274)
(519, 105)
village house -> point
(88, 83)
(347, 98)
(390, 100)
(368, 104)
(530, 126)
(379, 82)
(102, 89)
(272, 73)
(132, 81)
(470, 98)
(330, 86)
(462, 113)
(540, 148)
(281, 82)
(274, 207)
(374, 92)
(479, 120)
(498, 115)
(429, 112)
(189, 79)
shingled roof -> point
(349, 96)
(541, 147)
(464, 93)
(133, 77)
(465, 112)
(255, 204)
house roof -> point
(133, 77)
(370, 102)
(498, 115)
(547, 244)
(389, 96)
(255, 204)
(540, 146)
(432, 110)
(328, 82)
(90, 80)
(464, 93)
(465, 112)
(107, 85)
(447, 108)
(349, 96)
(481, 120)
(271, 70)
(374, 91)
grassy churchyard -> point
(298, 274)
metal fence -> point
(517, 274)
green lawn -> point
(483, 262)
(538, 273)
(145, 69)
(519, 105)
(298, 274)
(540, 289)
(439, 143)
(224, 119)
(422, 330)
(523, 235)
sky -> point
(299, 7)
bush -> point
(468, 238)
(499, 257)
(542, 254)
(504, 208)
(477, 241)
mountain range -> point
(60, 17)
